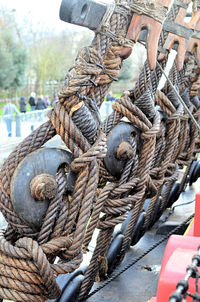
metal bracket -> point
(177, 29)
(194, 43)
(183, 32)
(154, 28)
(88, 13)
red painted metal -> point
(197, 216)
(177, 257)
(154, 28)
(174, 271)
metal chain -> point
(155, 245)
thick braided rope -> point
(171, 137)
(139, 205)
(173, 146)
(125, 204)
(150, 8)
(91, 166)
(87, 157)
(110, 123)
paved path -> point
(26, 128)
(8, 144)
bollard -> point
(18, 125)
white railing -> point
(22, 123)
(106, 109)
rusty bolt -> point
(125, 151)
(43, 187)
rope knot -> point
(179, 113)
(97, 151)
(154, 130)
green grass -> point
(117, 95)
(1, 108)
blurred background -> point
(36, 51)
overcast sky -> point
(43, 11)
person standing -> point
(8, 111)
(40, 103)
(22, 104)
(46, 100)
(40, 106)
(32, 101)
(110, 97)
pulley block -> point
(191, 172)
(72, 290)
(156, 212)
(174, 194)
(194, 173)
(33, 184)
(197, 172)
(139, 229)
(113, 252)
(70, 285)
(146, 204)
(155, 208)
(139, 226)
(122, 133)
